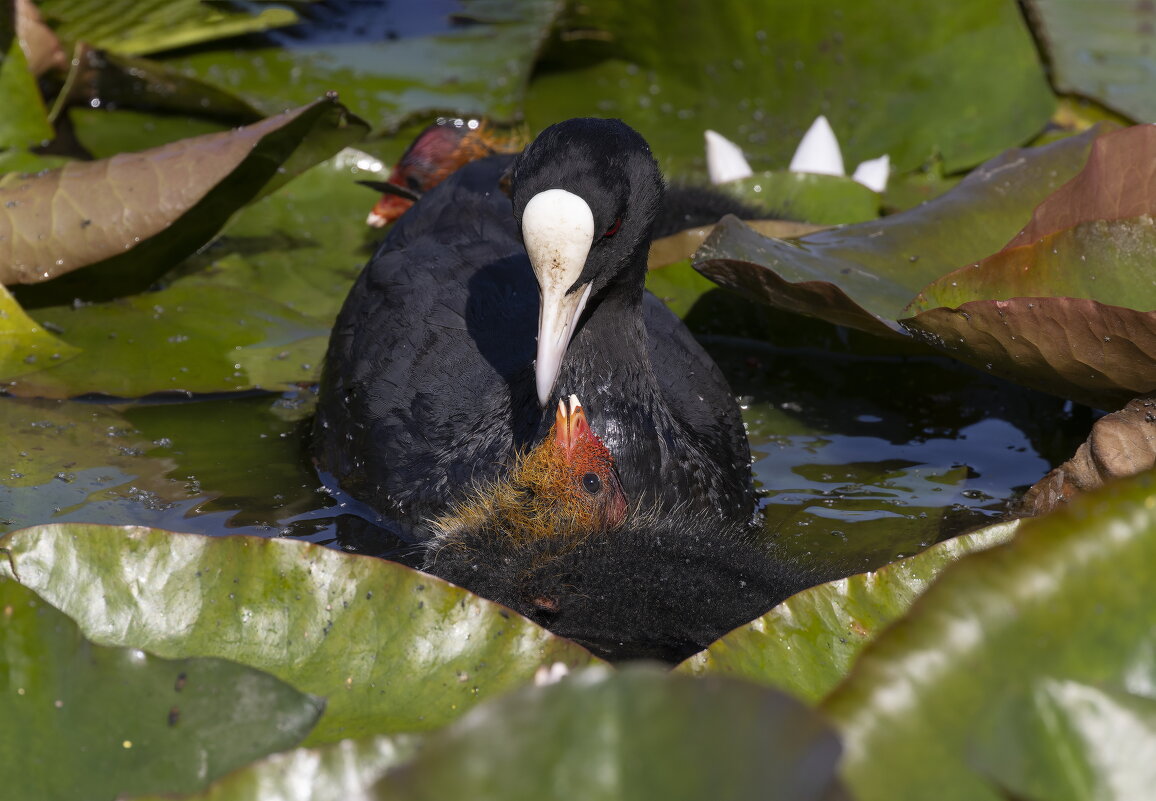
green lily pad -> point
(761, 74)
(1066, 306)
(98, 78)
(865, 275)
(1019, 669)
(807, 644)
(105, 133)
(168, 201)
(1091, 238)
(337, 772)
(305, 244)
(1100, 50)
(24, 343)
(91, 721)
(25, 120)
(638, 733)
(394, 650)
(13, 163)
(193, 337)
(821, 199)
(135, 28)
(477, 67)
(55, 447)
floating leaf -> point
(1121, 444)
(822, 199)
(104, 133)
(169, 200)
(1098, 355)
(1017, 661)
(305, 244)
(759, 75)
(637, 733)
(134, 27)
(343, 771)
(25, 121)
(193, 337)
(864, 275)
(24, 344)
(1100, 50)
(58, 440)
(681, 246)
(478, 66)
(807, 644)
(1091, 238)
(394, 650)
(90, 721)
(108, 80)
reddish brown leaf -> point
(1091, 352)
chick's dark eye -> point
(591, 483)
(611, 231)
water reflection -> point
(858, 458)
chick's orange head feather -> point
(590, 467)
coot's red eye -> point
(614, 228)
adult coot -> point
(514, 283)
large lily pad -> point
(168, 201)
(57, 451)
(1067, 305)
(90, 721)
(305, 244)
(23, 342)
(343, 771)
(193, 337)
(105, 133)
(479, 66)
(98, 78)
(760, 75)
(393, 649)
(807, 644)
(1098, 355)
(820, 199)
(1011, 675)
(633, 734)
(1101, 50)
(865, 275)
(136, 28)
(25, 120)
(1091, 238)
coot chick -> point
(554, 542)
(566, 488)
(451, 301)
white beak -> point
(558, 230)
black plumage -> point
(658, 588)
(429, 383)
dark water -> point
(859, 457)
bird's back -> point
(433, 342)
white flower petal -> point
(874, 173)
(818, 151)
(724, 159)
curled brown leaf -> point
(1121, 444)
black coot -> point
(433, 380)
